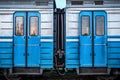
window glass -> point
(99, 25)
(19, 26)
(34, 26)
(85, 25)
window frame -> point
(96, 25)
(30, 26)
(82, 26)
(16, 27)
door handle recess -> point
(24, 54)
(24, 37)
(90, 54)
(106, 44)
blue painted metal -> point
(114, 56)
(72, 44)
(46, 50)
(46, 37)
(6, 54)
(86, 43)
(115, 61)
(72, 63)
(39, 53)
(6, 61)
(5, 50)
(6, 44)
(113, 52)
(72, 37)
(72, 54)
(47, 45)
(114, 44)
(113, 36)
(6, 37)
(48, 66)
(100, 48)
(72, 50)
(19, 43)
(46, 53)
(33, 43)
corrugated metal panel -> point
(6, 49)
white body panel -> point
(72, 20)
(6, 21)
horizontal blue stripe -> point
(47, 66)
(46, 56)
(5, 56)
(46, 62)
(113, 50)
(72, 37)
(114, 61)
(114, 56)
(113, 36)
(72, 56)
(72, 66)
(72, 44)
(47, 44)
(46, 51)
(75, 62)
(114, 44)
(5, 61)
(113, 66)
(72, 50)
(6, 44)
(46, 37)
(6, 66)
(6, 37)
(5, 50)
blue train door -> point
(100, 39)
(93, 39)
(33, 39)
(86, 39)
(26, 39)
(19, 38)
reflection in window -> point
(100, 25)
(34, 26)
(85, 25)
(19, 26)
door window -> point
(19, 26)
(100, 25)
(34, 26)
(85, 25)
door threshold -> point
(93, 71)
(26, 71)
(26, 74)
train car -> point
(93, 36)
(26, 36)
(35, 36)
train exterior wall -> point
(72, 34)
(6, 34)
